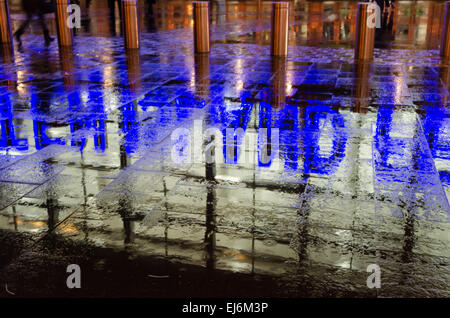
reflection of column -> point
(7, 52)
(210, 233)
(302, 232)
(361, 87)
(125, 211)
(210, 158)
(123, 157)
(279, 81)
(52, 211)
(67, 65)
(125, 201)
(409, 213)
(134, 69)
(202, 73)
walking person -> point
(34, 7)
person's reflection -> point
(41, 100)
(125, 211)
(125, 202)
(210, 232)
(210, 173)
(302, 232)
(410, 208)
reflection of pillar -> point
(303, 231)
(7, 53)
(202, 82)
(123, 157)
(64, 31)
(361, 87)
(134, 69)
(5, 31)
(210, 161)
(279, 81)
(67, 65)
(210, 233)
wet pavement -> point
(330, 165)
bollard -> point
(201, 26)
(64, 31)
(5, 26)
(130, 23)
(280, 28)
(445, 37)
(365, 31)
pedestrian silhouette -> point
(39, 8)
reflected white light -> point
(228, 178)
